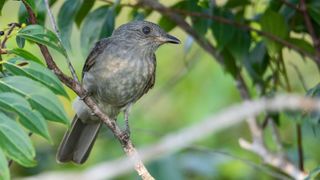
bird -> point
(118, 71)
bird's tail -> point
(78, 141)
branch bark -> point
(177, 141)
(78, 89)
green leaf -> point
(275, 24)
(20, 41)
(137, 14)
(313, 174)
(32, 4)
(4, 168)
(66, 16)
(39, 10)
(15, 142)
(302, 44)
(1, 5)
(25, 54)
(98, 23)
(83, 11)
(38, 96)
(229, 63)
(240, 44)
(29, 118)
(166, 23)
(314, 10)
(223, 33)
(257, 62)
(38, 73)
(39, 34)
(236, 3)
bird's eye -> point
(146, 30)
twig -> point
(6, 36)
(176, 141)
(315, 39)
(78, 89)
(56, 30)
(291, 5)
(300, 146)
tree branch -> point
(179, 140)
(78, 89)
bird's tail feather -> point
(78, 141)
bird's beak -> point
(169, 39)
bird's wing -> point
(152, 79)
(95, 52)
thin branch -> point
(78, 89)
(56, 30)
(6, 36)
(183, 138)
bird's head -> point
(144, 33)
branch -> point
(177, 141)
(78, 89)
(6, 36)
(54, 25)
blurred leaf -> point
(39, 10)
(66, 16)
(236, 3)
(275, 24)
(39, 34)
(222, 32)
(240, 44)
(257, 62)
(166, 23)
(25, 54)
(314, 10)
(38, 96)
(139, 14)
(1, 5)
(4, 168)
(313, 174)
(98, 23)
(15, 143)
(29, 118)
(229, 63)
(38, 73)
(20, 41)
(32, 4)
(302, 44)
(83, 11)
(166, 168)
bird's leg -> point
(126, 119)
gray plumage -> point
(117, 72)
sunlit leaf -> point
(1, 5)
(4, 168)
(38, 73)
(39, 34)
(25, 54)
(15, 142)
(20, 41)
(38, 96)
(83, 11)
(31, 119)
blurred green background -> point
(190, 86)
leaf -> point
(257, 62)
(4, 168)
(25, 54)
(136, 14)
(108, 24)
(1, 5)
(236, 3)
(38, 34)
(275, 24)
(66, 16)
(15, 143)
(29, 118)
(229, 63)
(314, 10)
(166, 23)
(92, 27)
(313, 174)
(240, 44)
(83, 11)
(32, 4)
(302, 44)
(38, 73)
(38, 96)
(20, 41)
(223, 33)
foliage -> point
(248, 42)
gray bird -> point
(118, 71)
